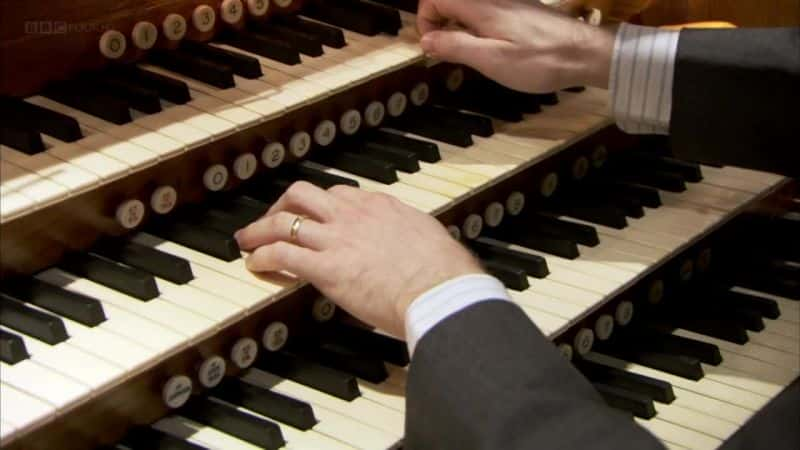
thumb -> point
(461, 47)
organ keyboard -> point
(128, 318)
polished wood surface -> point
(40, 44)
(742, 13)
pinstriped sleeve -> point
(641, 78)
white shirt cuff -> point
(447, 299)
(641, 78)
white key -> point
(69, 360)
(684, 437)
(379, 423)
(133, 326)
(28, 409)
(216, 276)
(423, 200)
(13, 204)
(203, 124)
(6, 429)
(75, 179)
(49, 385)
(42, 191)
(157, 143)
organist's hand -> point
(369, 253)
(519, 43)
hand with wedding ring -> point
(369, 253)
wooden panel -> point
(40, 44)
(743, 13)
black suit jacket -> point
(486, 378)
(736, 98)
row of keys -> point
(72, 131)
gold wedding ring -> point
(296, 223)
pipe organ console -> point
(137, 136)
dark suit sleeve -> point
(736, 98)
(486, 378)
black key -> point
(425, 150)
(776, 285)
(213, 218)
(205, 240)
(139, 98)
(80, 308)
(432, 130)
(765, 306)
(146, 438)
(330, 36)
(609, 216)
(672, 344)
(12, 348)
(242, 65)
(667, 181)
(244, 208)
(306, 43)
(40, 325)
(549, 98)
(22, 138)
(540, 223)
(658, 390)
(370, 343)
(381, 171)
(502, 98)
(156, 262)
(512, 277)
(170, 89)
(342, 17)
(688, 170)
(319, 178)
(402, 159)
(313, 375)
(480, 104)
(129, 280)
(711, 326)
(265, 46)
(267, 403)
(682, 366)
(188, 65)
(387, 18)
(342, 358)
(473, 123)
(533, 265)
(229, 420)
(405, 5)
(97, 103)
(647, 196)
(542, 242)
(749, 319)
(637, 404)
(630, 205)
(53, 123)
(575, 89)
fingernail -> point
(426, 43)
(237, 234)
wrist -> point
(594, 53)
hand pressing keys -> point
(369, 253)
(519, 43)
